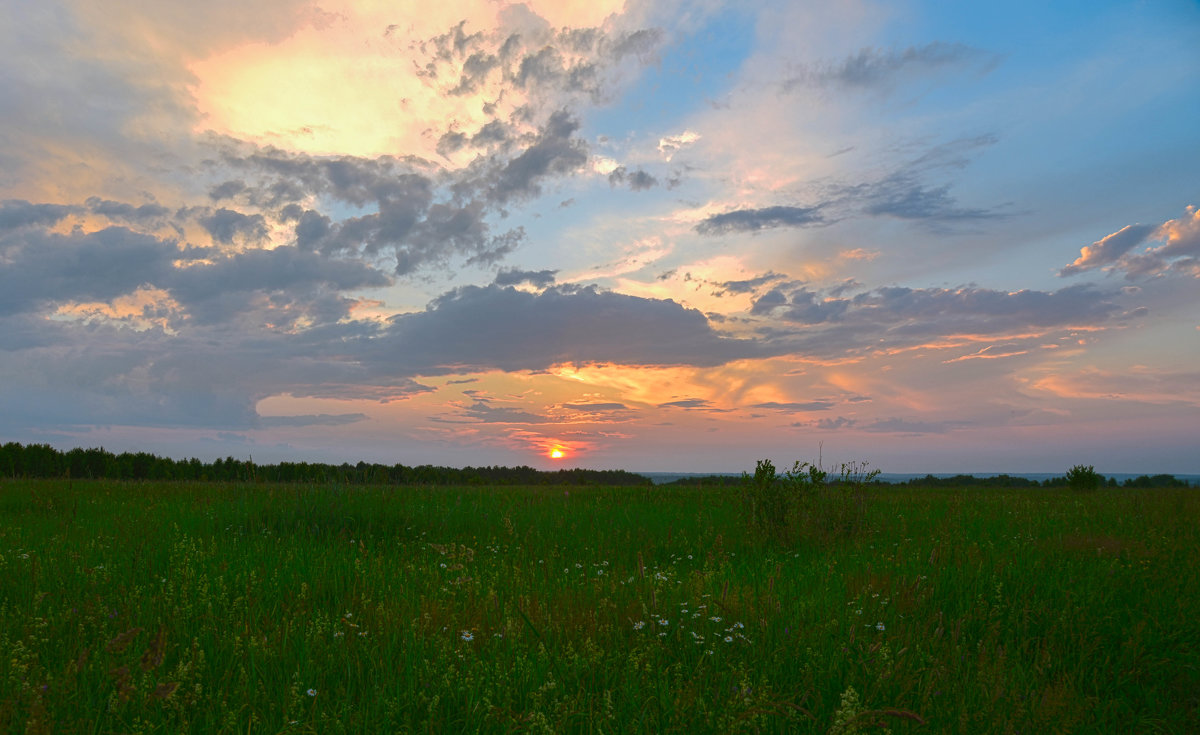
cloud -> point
(483, 412)
(515, 277)
(1178, 253)
(753, 220)
(1108, 249)
(226, 224)
(150, 213)
(415, 222)
(904, 197)
(802, 407)
(535, 59)
(43, 267)
(749, 285)
(967, 322)
(638, 180)
(595, 407)
(553, 152)
(690, 404)
(17, 214)
(323, 419)
(874, 67)
(672, 144)
(503, 328)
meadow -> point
(201, 607)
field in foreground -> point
(250, 608)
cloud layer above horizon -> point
(652, 235)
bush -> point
(803, 502)
(1084, 479)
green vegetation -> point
(1082, 478)
(190, 607)
(805, 503)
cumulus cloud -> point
(1179, 251)
(1108, 249)
(503, 328)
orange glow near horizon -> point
(556, 452)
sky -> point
(652, 235)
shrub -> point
(1084, 479)
(803, 502)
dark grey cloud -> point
(18, 213)
(44, 267)
(287, 283)
(226, 224)
(514, 277)
(503, 328)
(282, 286)
(873, 67)
(753, 220)
(120, 211)
(801, 306)
(749, 285)
(554, 152)
(414, 221)
(638, 180)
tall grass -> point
(227, 608)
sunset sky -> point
(650, 235)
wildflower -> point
(880, 627)
(715, 618)
(467, 636)
(639, 625)
(729, 639)
(664, 622)
(312, 692)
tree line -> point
(44, 461)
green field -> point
(152, 607)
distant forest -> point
(44, 461)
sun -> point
(557, 453)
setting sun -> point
(557, 453)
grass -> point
(128, 607)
